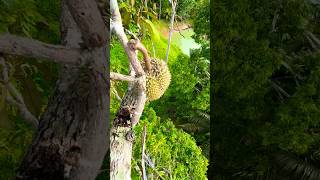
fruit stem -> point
(140, 47)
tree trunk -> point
(72, 136)
(121, 154)
(122, 135)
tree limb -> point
(14, 45)
(89, 19)
(116, 26)
(118, 76)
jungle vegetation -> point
(266, 89)
(177, 124)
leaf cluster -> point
(173, 152)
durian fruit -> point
(158, 78)
(157, 71)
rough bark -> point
(72, 137)
(87, 15)
(122, 135)
(121, 154)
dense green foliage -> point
(266, 95)
(200, 22)
(173, 152)
(13, 143)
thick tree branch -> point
(116, 26)
(89, 19)
(10, 44)
(121, 77)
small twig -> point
(154, 50)
(276, 17)
(160, 10)
(167, 171)
(5, 80)
(179, 30)
(23, 111)
(15, 93)
(131, 34)
(278, 88)
(144, 134)
(274, 21)
(116, 94)
(311, 43)
(313, 40)
(173, 6)
(181, 34)
(149, 161)
(4, 70)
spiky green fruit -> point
(158, 79)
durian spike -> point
(137, 45)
